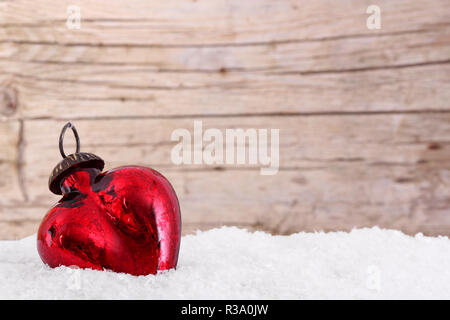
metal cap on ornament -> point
(72, 161)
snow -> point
(231, 263)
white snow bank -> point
(231, 263)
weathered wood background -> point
(364, 114)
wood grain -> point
(364, 114)
(347, 175)
(413, 199)
(10, 164)
(258, 58)
(131, 94)
(305, 141)
(231, 22)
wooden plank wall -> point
(364, 114)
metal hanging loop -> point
(61, 138)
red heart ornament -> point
(125, 220)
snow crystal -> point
(231, 263)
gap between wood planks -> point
(21, 162)
(240, 115)
(362, 69)
(211, 45)
(222, 70)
